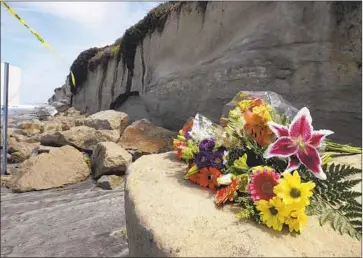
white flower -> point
(225, 180)
(225, 155)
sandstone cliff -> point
(189, 57)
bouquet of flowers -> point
(267, 160)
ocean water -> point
(28, 111)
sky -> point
(70, 28)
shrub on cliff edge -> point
(80, 67)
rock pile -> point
(70, 147)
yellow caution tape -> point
(36, 34)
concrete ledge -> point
(167, 216)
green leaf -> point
(237, 171)
(349, 194)
(341, 227)
(356, 222)
(336, 222)
(324, 218)
(241, 163)
(358, 234)
(334, 200)
(352, 232)
(351, 208)
(193, 170)
(353, 214)
(342, 148)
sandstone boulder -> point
(12, 169)
(72, 112)
(69, 113)
(30, 127)
(107, 120)
(167, 216)
(19, 151)
(79, 121)
(13, 145)
(30, 139)
(53, 126)
(20, 136)
(109, 158)
(5, 179)
(12, 122)
(82, 137)
(64, 121)
(57, 168)
(19, 156)
(143, 137)
(110, 182)
(43, 149)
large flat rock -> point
(168, 216)
(80, 220)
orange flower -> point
(194, 178)
(227, 193)
(188, 126)
(207, 177)
(256, 126)
(257, 102)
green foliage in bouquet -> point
(239, 166)
(342, 148)
(247, 209)
(334, 200)
(237, 137)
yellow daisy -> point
(297, 220)
(263, 111)
(293, 192)
(273, 212)
(245, 104)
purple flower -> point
(222, 149)
(217, 160)
(203, 159)
(206, 145)
(187, 135)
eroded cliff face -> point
(309, 52)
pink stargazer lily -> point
(299, 143)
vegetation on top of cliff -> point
(80, 67)
(103, 56)
(125, 47)
(154, 20)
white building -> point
(14, 85)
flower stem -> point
(343, 148)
